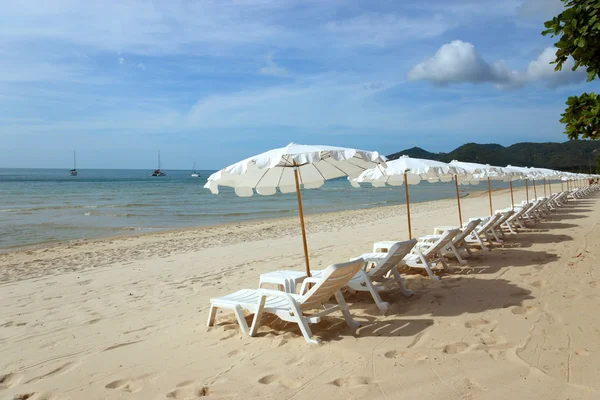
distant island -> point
(573, 156)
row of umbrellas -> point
(289, 168)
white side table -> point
(286, 279)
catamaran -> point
(73, 172)
(158, 172)
(194, 173)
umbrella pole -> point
(458, 200)
(545, 187)
(562, 187)
(490, 196)
(302, 221)
(527, 189)
(512, 198)
(407, 205)
(534, 190)
(550, 186)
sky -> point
(216, 81)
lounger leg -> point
(445, 264)
(480, 241)
(457, 254)
(430, 272)
(382, 305)
(239, 314)
(344, 308)
(258, 315)
(303, 324)
(405, 291)
(212, 315)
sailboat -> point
(158, 172)
(194, 173)
(73, 172)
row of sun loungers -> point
(380, 270)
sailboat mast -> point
(74, 161)
(159, 159)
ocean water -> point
(48, 205)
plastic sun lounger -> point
(426, 254)
(383, 271)
(289, 306)
(458, 243)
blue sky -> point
(217, 81)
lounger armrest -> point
(306, 282)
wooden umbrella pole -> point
(562, 187)
(550, 186)
(407, 205)
(534, 190)
(527, 189)
(458, 200)
(490, 196)
(545, 187)
(512, 198)
(302, 221)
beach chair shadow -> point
(454, 296)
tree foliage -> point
(578, 29)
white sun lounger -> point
(289, 306)
(460, 241)
(381, 269)
(426, 254)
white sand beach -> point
(125, 318)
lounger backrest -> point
(503, 217)
(395, 255)
(488, 224)
(441, 243)
(332, 279)
(466, 232)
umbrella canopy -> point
(288, 168)
(411, 171)
(274, 169)
(483, 171)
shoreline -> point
(158, 231)
(63, 257)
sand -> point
(125, 318)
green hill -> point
(574, 155)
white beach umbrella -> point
(411, 171)
(290, 167)
(483, 171)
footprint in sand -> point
(476, 322)
(278, 380)
(455, 348)
(352, 381)
(523, 310)
(9, 380)
(407, 355)
(125, 385)
(185, 393)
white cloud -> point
(540, 69)
(459, 62)
(271, 68)
(141, 66)
(121, 60)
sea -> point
(47, 205)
